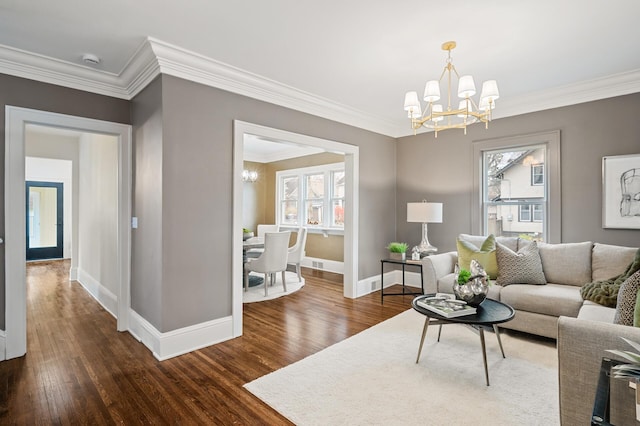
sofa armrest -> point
(435, 267)
(581, 347)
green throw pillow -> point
(485, 255)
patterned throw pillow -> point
(485, 255)
(523, 267)
(626, 305)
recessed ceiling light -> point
(90, 59)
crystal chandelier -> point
(435, 117)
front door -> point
(44, 220)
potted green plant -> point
(397, 251)
(246, 234)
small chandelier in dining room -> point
(436, 117)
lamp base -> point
(426, 249)
(425, 246)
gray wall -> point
(146, 240)
(195, 123)
(25, 93)
(442, 169)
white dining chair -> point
(271, 261)
(296, 252)
(262, 229)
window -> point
(524, 214)
(320, 201)
(289, 200)
(530, 213)
(517, 187)
(537, 174)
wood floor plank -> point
(80, 370)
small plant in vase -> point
(397, 251)
(471, 286)
(246, 234)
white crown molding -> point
(187, 65)
(572, 94)
(154, 57)
(33, 66)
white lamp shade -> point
(489, 91)
(465, 107)
(411, 101)
(466, 87)
(436, 108)
(432, 91)
(424, 212)
(415, 112)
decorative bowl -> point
(247, 235)
(475, 290)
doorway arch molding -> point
(351, 159)
(15, 240)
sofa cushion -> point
(485, 255)
(608, 261)
(567, 263)
(626, 304)
(550, 299)
(477, 240)
(523, 267)
(595, 312)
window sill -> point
(315, 230)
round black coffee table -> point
(490, 313)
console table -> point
(404, 263)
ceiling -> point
(351, 61)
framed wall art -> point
(621, 191)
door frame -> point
(16, 119)
(351, 161)
(56, 252)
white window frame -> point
(328, 196)
(552, 208)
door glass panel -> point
(42, 220)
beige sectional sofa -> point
(566, 266)
(584, 330)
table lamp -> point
(424, 213)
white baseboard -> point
(323, 264)
(371, 284)
(3, 345)
(99, 292)
(73, 274)
(181, 341)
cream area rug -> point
(372, 379)
(256, 294)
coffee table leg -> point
(424, 333)
(495, 329)
(439, 332)
(484, 355)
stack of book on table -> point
(445, 305)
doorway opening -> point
(17, 121)
(351, 171)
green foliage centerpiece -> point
(471, 286)
(397, 251)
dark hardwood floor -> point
(80, 370)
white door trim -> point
(352, 161)
(15, 244)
